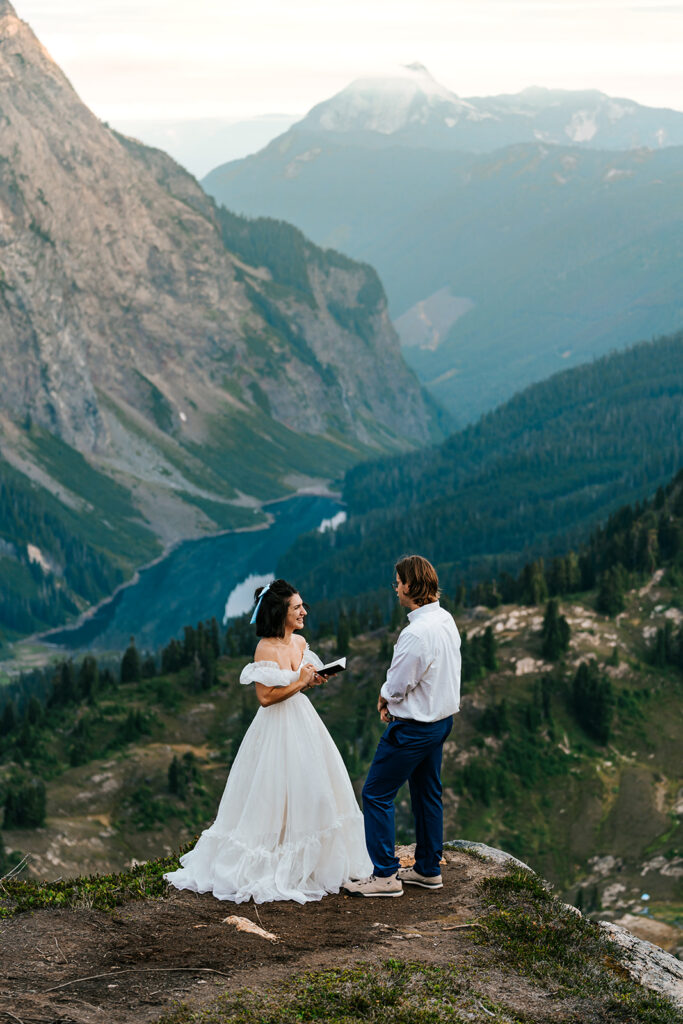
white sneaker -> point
(412, 877)
(374, 886)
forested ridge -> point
(33, 596)
(528, 479)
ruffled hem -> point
(304, 870)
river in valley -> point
(197, 580)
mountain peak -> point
(407, 96)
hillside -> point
(568, 756)
(500, 266)
(530, 478)
(167, 366)
(493, 944)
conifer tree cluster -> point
(667, 647)
(555, 632)
(593, 700)
(24, 803)
(32, 597)
(199, 649)
(478, 654)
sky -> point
(163, 59)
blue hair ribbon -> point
(252, 620)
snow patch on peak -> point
(387, 103)
(582, 127)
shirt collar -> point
(424, 609)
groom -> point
(418, 700)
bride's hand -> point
(307, 675)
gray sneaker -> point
(412, 877)
(374, 886)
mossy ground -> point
(493, 945)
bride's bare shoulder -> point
(264, 648)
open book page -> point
(332, 668)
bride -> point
(288, 826)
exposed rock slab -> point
(648, 964)
(488, 852)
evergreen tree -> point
(34, 710)
(546, 697)
(239, 637)
(149, 667)
(555, 631)
(488, 652)
(558, 582)
(171, 657)
(610, 600)
(79, 752)
(88, 677)
(175, 778)
(133, 726)
(65, 689)
(215, 637)
(533, 586)
(343, 635)
(131, 666)
(471, 657)
(189, 645)
(108, 681)
(198, 673)
(593, 700)
(8, 719)
(183, 775)
(398, 615)
(208, 664)
(573, 573)
(25, 804)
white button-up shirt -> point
(423, 681)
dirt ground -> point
(132, 965)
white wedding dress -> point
(288, 826)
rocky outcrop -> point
(487, 852)
(651, 966)
(120, 299)
(647, 964)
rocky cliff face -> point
(124, 316)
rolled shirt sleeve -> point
(407, 667)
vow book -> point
(332, 668)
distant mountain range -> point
(514, 234)
(166, 365)
(411, 108)
(526, 480)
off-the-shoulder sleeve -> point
(311, 658)
(268, 673)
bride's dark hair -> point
(270, 618)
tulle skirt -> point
(288, 826)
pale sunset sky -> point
(161, 59)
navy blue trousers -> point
(407, 751)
